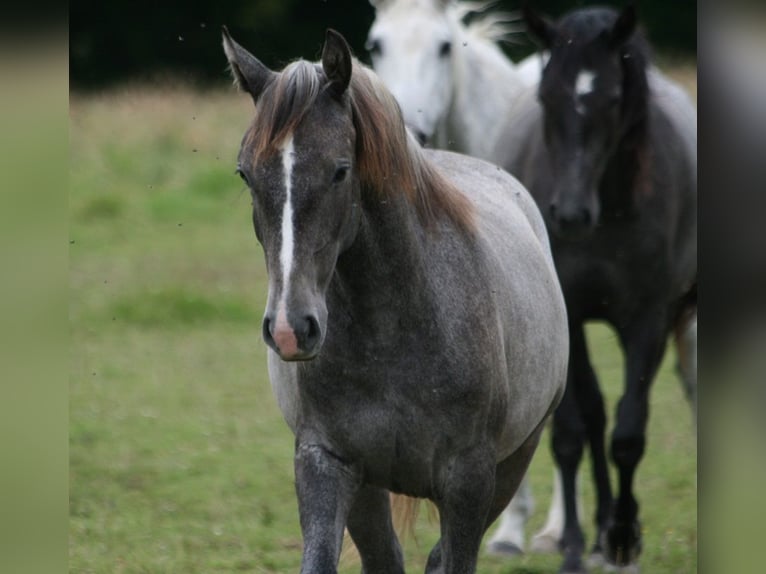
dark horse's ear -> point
(539, 28)
(336, 62)
(250, 75)
(624, 26)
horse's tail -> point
(404, 514)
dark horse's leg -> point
(326, 487)
(568, 439)
(644, 342)
(508, 476)
(369, 523)
(590, 402)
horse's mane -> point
(634, 156)
(481, 21)
(388, 159)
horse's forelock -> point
(282, 106)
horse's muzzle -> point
(296, 339)
(574, 223)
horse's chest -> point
(393, 419)
(611, 273)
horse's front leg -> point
(326, 486)
(464, 503)
(372, 530)
(644, 341)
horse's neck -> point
(381, 270)
(627, 173)
(485, 85)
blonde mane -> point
(480, 20)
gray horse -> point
(607, 147)
(417, 330)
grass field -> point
(179, 459)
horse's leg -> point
(371, 528)
(591, 405)
(568, 439)
(686, 345)
(644, 342)
(508, 539)
(325, 486)
(548, 539)
(510, 483)
(509, 474)
(464, 504)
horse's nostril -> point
(422, 137)
(268, 335)
(552, 210)
(308, 332)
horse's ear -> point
(250, 75)
(336, 62)
(624, 26)
(539, 27)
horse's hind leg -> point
(686, 344)
(371, 528)
(508, 539)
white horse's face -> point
(411, 48)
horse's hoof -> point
(596, 560)
(622, 543)
(572, 563)
(504, 548)
(629, 569)
(544, 544)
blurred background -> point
(116, 41)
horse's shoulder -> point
(500, 199)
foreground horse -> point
(609, 154)
(417, 330)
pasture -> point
(179, 459)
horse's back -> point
(675, 102)
(675, 146)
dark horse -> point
(417, 330)
(607, 147)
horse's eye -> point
(374, 47)
(444, 49)
(340, 174)
(242, 175)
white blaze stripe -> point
(286, 252)
(584, 82)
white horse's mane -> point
(494, 26)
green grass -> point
(179, 459)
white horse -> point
(453, 82)
(451, 79)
